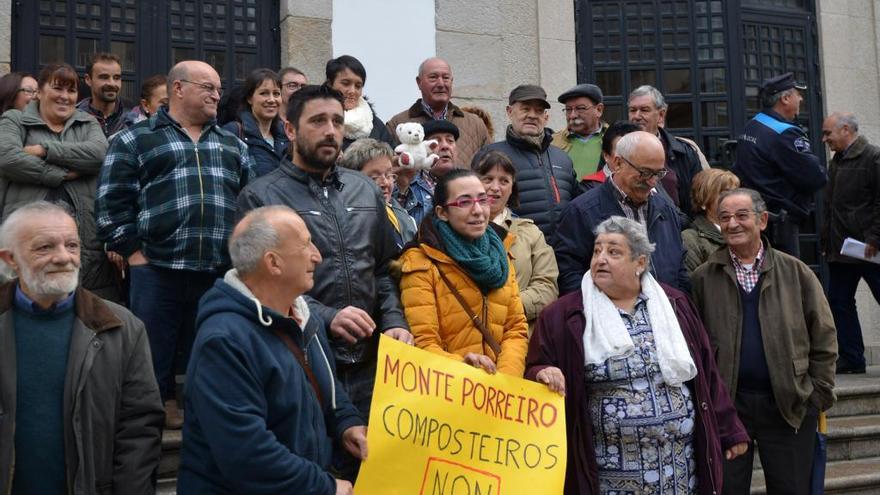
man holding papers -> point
(852, 204)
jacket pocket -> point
(801, 365)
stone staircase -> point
(853, 438)
(167, 474)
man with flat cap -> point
(582, 139)
(544, 173)
(775, 158)
(415, 189)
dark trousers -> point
(166, 301)
(357, 381)
(786, 453)
(844, 280)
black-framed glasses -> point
(29, 91)
(646, 173)
(467, 202)
(210, 88)
(293, 85)
(578, 109)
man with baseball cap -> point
(582, 139)
(775, 158)
(545, 175)
(415, 189)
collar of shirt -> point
(430, 111)
(588, 136)
(23, 302)
(747, 276)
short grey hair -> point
(635, 233)
(179, 72)
(651, 91)
(769, 101)
(9, 228)
(628, 143)
(248, 246)
(758, 203)
(363, 151)
(846, 119)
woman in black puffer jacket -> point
(347, 75)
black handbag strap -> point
(301, 358)
(493, 344)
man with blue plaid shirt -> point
(775, 344)
(167, 203)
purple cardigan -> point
(558, 341)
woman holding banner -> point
(646, 410)
(458, 289)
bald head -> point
(194, 90)
(435, 83)
(257, 233)
(638, 165)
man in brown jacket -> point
(775, 343)
(80, 411)
(435, 83)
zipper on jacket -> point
(341, 248)
(201, 200)
(551, 177)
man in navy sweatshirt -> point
(263, 404)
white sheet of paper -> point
(856, 249)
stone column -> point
(306, 39)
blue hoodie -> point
(253, 423)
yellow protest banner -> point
(441, 427)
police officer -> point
(774, 157)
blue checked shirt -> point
(170, 197)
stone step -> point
(857, 394)
(170, 460)
(852, 477)
(166, 486)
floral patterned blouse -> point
(644, 428)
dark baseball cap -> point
(440, 125)
(780, 83)
(526, 92)
(591, 91)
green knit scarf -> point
(484, 260)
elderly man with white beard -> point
(79, 404)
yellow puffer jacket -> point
(441, 325)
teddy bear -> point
(413, 151)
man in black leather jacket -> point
(353, 293)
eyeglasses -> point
(293, 86)
(467, 202)
(210, 88)
(740, 216)
(380, 178)
(578, 109)
(29, 91)
(645, 173)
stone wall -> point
(495, 45)
(306, 40)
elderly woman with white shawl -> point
(646, 410)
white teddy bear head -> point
(410, 133)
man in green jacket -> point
(775, 344)
(79, 406)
